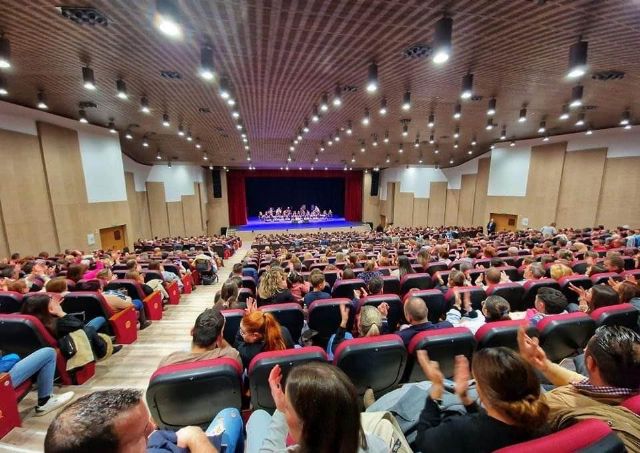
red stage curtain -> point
(236, 193)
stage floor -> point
(254, 224)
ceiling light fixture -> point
(565, 113)
(441, 45)
(189, 136)
(432, 121)
(576, 96)
(523, 115)
(82, 116)
(388, 159)
(474, 142)
(324, 103)
(198, 145)
(167, 18)
(431, 139)
(206, 62)
(315, 117)
(349, 130)
(456, 132)
(383, 106)
(467, 86)
(112, 127)
(372, 78)
(337, 96)
(489, 125)
(545, 138)
(224, 90)
(375, 140)
(626, 118)
(353, 158)
(577, 59)
(543, 127)
(128, 135)
(406, 100)
(366, 119)
(144, 105)
(491, 110)
(503, 133)
(580, 121)
(455, 144)
(512, 144)
(158, 156)
(386, 137)
(405, 130)
(88, 78)
(416, 143)
(145, 143)
(165, 120)
(5, 53)
(42, 101)
(457, 111)
(204, 156)
(3, 87)
(121, 89)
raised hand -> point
(466, 302)
(251, 305)
(275, 379)
(383, 308)
(461, 376)
(344, 315)
(531, 351)
(430, 368)
(504, 277)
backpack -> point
(385, 426)
(202, 266)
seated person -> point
(317, 285)
(614, 262)
(249, 271)
(369, 271)
(57, 285)
(227, 297)
(19, 286)
(150, 286)
(404, 267)
(557, 271)
(167, 276)
(612, 361)
(493, 276)
(236, 270)
(597, 296)
(273, 287)
(117, 300)
(416, 312)
(117, 420)
(41, 364)
(260, 332)
(297, 285)
(549, 301)
(534, 271)
(208, 341)
(370, 322)
(513, 410)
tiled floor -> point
(131, 367)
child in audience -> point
(297, 285)
(317, 280)
(370, 322)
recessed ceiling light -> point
(167, 18)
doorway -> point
(114, 238)
(505, 222)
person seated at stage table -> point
(273, 288)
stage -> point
(254, 224)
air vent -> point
(171, 75)
(224, 136)
(204, 110)
(477, 97)
(349, 89)
(589, 107)
(88, 105)
(84, 16)
(604, 76)
(219, 129)
(417, 51)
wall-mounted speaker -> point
(375, 182)
(217, 183)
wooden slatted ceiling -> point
(281, 55)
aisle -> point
(132, 366)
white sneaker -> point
(55, 402)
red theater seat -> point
(249, 282)
(580, 266)
(604, 277)
(634, 272)
(152, 303)
(289, 315)
(511, 292)
(442, 345)
(418, 281)
(10, 302)
(565, 335)
(395, 315)
(9, 415)
(344, 288)
(531, 288)
(502, 333)
(261, 366)
(122, 324)
(581, 281)
(244, 294)
(477, 295)
(330, 277)
(434, 299)
(587, 436)
(633, 404)
(617, 315)
(372, 362)
(24, 334)
(390, 284)
(232, 319)
(324, 317)
(432, 268)
(193, 393)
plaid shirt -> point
(586, 386)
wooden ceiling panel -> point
(281, 56)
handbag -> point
(67, 346)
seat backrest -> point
(443, 345)
(244, 294)
(634, 272)
(193, 393)
(232, 320)
(10, 302)
(249, 282)
(484, 262)
(391, 284)
(290, 315)
(261, 366)
(580, 266)
(330, 277)
(345, 287)
(171, 268)
(633, 404)
(324, 317)
(434, 299)
(395, 315)
(418, 280)
(502, 333)
(372, 362)
(23, 334)
(134, 290)
(511, 292)
(564, 335)
(151, 275)
(89, 304)
(511, 271)
(604, 277)
(581, 281)
(531, 288)
(617, 315)
(477, 295)
(589, 435)
(432, 268)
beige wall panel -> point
(480, 200)
(543, 184)
(620, 196)
(370, 205)
(580, 188)
(103, 215)
(389, 211)
(26, 211)
(437, 203)
(420, 211)
(157, 209)
(139, 211)
(403, 207)
(202, 204)
(176, 219)
(452, 206)
(467, 198)
(217, 208)
(191, 213)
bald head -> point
(415, 310)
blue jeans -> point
(231, 421)
(257, 430)
(138, 304)
(97, 323)
(41, 362)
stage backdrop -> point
(293, 188)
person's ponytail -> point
(529, 413)
(273, 339)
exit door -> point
(114, 238)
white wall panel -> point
(509, 171)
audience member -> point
(549, 301)
(417, 314)
(317, 281)
(273, 288)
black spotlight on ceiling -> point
(441, 46)
(467, 86)
(491, 110)
(206, 62)
(5, 53)
(121, 89)
(576, 96)
(372, 78)
(167, 18)
(577, 60)
(88, 78)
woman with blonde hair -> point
(371, 321)
(558, 271)
(273, 288)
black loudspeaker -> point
(223, 231)
(375, 182)
(217, 184)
